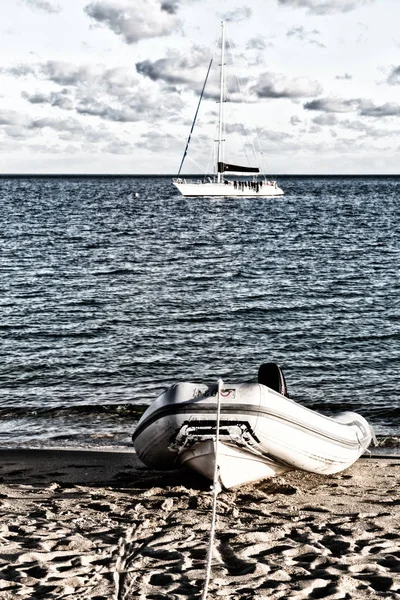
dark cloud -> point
(161, 70)
(188, 71)
(394, 76)
(43, 5)
(94, 108)
(136, 20)
(364, 108)
(303, 35)
(368, 109)
(170, 7)
(176, 68)
(323, 7)
(70, 75)
(60, 99)
(84, 106)
(271, 85)
(331, 105)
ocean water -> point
(112, 288)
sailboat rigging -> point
(229, 179)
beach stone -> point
(377, 582)
(161, 579)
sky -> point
(112, 86)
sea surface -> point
(113, 288)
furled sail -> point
(227, 168)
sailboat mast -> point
(220, 154)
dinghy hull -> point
(262, 434)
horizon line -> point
(194, 175)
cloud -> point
(43, 5)
(156, 140)
(331, 105)
(324, 7)
(16, 119)
(365, 129)
(87, 106)
(394, 76)
(12, 117)
(18, 126)
(20, 70)
(177, 68)
(136, 20)
(69, 74)
(111, 94)
(256, 43)
(326, 120)
(72, 75)
(188, 70)
(305, 36)
(94, 78)
(60, 99)
(94, 108)
(368, 109)
(237, 14)
(364, 108)
(271, 85)
(170, 6)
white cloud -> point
(137, 20)
(271, 85)
(323, 7)
(43, 5)
(238, 14)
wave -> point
(125, 413)
(117, 411)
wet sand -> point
(97, 525)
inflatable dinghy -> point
(261, 431)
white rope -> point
(216, 488)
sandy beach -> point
(96, 524)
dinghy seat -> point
(271, 375)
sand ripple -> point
(144, 535)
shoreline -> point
(79, 523)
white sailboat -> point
(230, 179)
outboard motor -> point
(271, 375)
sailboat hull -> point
(226, 190)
